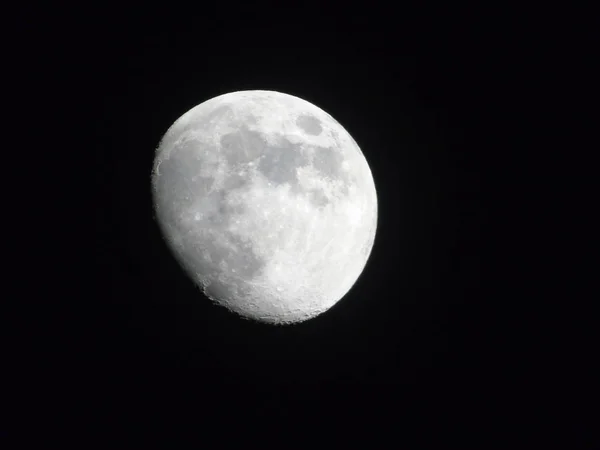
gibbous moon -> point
(267, 203)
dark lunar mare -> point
(242, 146)
(280, 162)
(309, 124)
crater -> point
(309, 124)
(228, 270)
(229, 262)
(232, 293)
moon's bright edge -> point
(267, 203)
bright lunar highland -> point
(267, 203)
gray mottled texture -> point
(267, 203)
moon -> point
(267, 203)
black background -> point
(439, 341)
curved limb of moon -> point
(281, 211)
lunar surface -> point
(267, 203)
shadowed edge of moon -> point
(209, 248)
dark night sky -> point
(431, 344)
